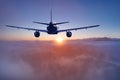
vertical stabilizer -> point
(51, 15)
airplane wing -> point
(27, 28)
(71, 29)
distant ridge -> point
(101, 39)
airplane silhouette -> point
(52, 28)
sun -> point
(59, 40)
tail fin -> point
(51, 15)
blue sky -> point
(78, 12)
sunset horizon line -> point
(88, 38)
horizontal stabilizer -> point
(60, 23)
(41, 23)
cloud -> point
(77, 60)
(14, 69)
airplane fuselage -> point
(52, 29)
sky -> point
(79, 13)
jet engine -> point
(69, 34)
(36, 34)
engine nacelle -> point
(69, 34)
(36, 34)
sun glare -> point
(59, 40)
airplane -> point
(52, 28)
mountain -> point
(102, 39)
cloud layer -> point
(75, 60)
